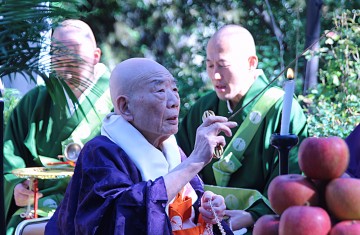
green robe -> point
(260, 164)
(35, 132)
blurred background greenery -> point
(175, 34)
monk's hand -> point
(22, 194)
(207, 136)
(239, 219)
(212, 207)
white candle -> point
(289, 87)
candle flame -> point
(290, 74)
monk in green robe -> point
(249, 162)
(39, 129)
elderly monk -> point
(134, 179)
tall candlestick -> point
(289, 86)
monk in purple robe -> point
(134, 179)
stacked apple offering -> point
(321, 201)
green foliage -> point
(334, 107)
(175, 33)
(11, 97)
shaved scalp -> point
(78, 27)
(126, 76)
(237, 37)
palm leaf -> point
(23, 24)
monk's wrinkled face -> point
(154, 105)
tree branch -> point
(268, 18)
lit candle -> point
(289, 86)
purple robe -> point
(106, 195)
(353, 141)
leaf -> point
(21, 24)
(329, 41)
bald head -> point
(231, 62)
(126, 78)
(75, 28)
(235, 38)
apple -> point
(267, 225)
(346, 227)
(323, 158)
(342, 197)
(291, 190)
(304, 220)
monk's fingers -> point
(22, 200)
(218, 207)
(218, 201)
(219, 212)
(26, 183)
(22, 195)
(212, 215)
(213, 119)
(23, 188)
(207, 215)
(222, 121)
(208, 140)
(207, 196)
(215, 128)
(224, 127)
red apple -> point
(267, 225)
(346, 227)
(291, 190)
(323, 158)
(304, 220)
(342, 197)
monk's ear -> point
(122, 108)
(97, 55)
(253, 62)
